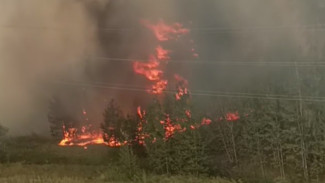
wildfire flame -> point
(162, 54)
(153, 68)
(170, 128)
(232, 116)
(181, 87)
(164, 32)
(206, 121)
(72, 137)
(153, 71)
(141, 136)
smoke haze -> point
(40, 41)
(44, 41)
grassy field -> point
(54, 173)
(36, 159)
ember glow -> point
(206, 121)
(159, 87)
(164, 32)
(188, 113)
(85, 136)
(153, 72)
(162, 54)
(182, 85)
(141, 135)
(170, 128)
(232, 116)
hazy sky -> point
(44, 41)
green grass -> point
(39, 150)
(34, 159)
(52, 173)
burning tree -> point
(58, 118)
(174, 147)
(113, 120)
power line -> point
(220, 62)
(202, 93)
(260, 94)
(310, 27)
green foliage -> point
(128, 163)
(183, 152)
(113, 120)
(190, 153)
(57, 117)
(53, 173)
(273, 141)
(35, 149)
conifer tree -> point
(113, 119)
(57, 117)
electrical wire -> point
(200, 93)
(219, 62)
(312, 27)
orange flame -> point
(164, 32)
(71, 137)
(206, 121)
(188, 113)
(171, 128)
(141, 136)
(149, 70)
(159, 87)
(232, 116)
(162, 54)
(182, 87)
(152, 69)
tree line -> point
(271, 139)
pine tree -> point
(3, 130)
(3, 152)
(57, 117)
(113, 120)
(129, 162)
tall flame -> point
(153, 71)
(164, 32)
(141, 136)
(153, 68)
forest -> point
(279, 138)
(162, 91)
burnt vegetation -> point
(272, 140)
(265, 140)
(163, 91)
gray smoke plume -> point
(44, 41)
(40, 41)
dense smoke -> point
(47, 41)
(40, 41)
